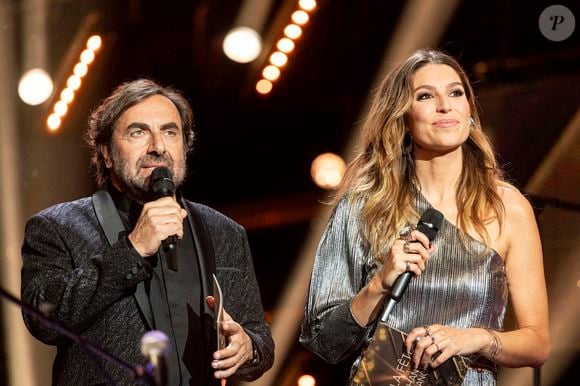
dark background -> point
(253, 153)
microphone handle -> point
(170, 249)
(400, 285)
(396, 294)
(159, 370)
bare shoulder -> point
(516, 204)
(520, 221)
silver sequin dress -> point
(463, 286)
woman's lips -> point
(445, 122)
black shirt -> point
(175, 300)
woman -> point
(424, 148)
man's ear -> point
(104, 150)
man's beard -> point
(136, 185)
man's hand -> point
(159, 219)
(238, 351)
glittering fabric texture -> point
(67, 262)
(464, 285)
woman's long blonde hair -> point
(383, 177)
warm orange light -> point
(300, 17)
(60, 108)
(293, 31)
(264, 86)
(80, 69)
(278, 59)
(53, 122)
(87, 56)
(73, 82)
(94, 43)
(67, 95)
(271, 73)
(306, 380)
(285, 45)
(327, 170)
(307, 5)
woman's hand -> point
(434, 344)
(408, 254)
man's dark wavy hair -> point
(103, 119)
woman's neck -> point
(438, 176)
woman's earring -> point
(407, 144)
(471, 121)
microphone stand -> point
(135, 372)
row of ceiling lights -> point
(36, 86)
(278, 59)
(74, 82)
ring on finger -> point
(436, 345)
(428, 332)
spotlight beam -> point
(18, 343)
(253, 14)
(290, 309)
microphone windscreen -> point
(430, 223)
(161, 182)
(154, 343)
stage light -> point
(87, 56)
(278, 59)
(285, 45)
(306, 380)
(300, 17)
(60, 108)
(53, 122)
(94, 43)
(307, 5)
(67, 95)
(271, 73)
(242, 45)
(264, 86)
(327, 170)
(35, 86)
(292, 31)
(74, 83)
(80, 69)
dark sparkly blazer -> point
(94, 287)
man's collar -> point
(123, 202)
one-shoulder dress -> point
(464, 285)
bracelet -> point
(496, 347)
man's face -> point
(147, 135)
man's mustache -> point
(155, 160)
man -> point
(99, 261)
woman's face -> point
(439, 116)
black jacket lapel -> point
(112, 225)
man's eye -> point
(136, 133)
(171, 133)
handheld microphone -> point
(162, 185)
(429, 224)
(154, 345)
